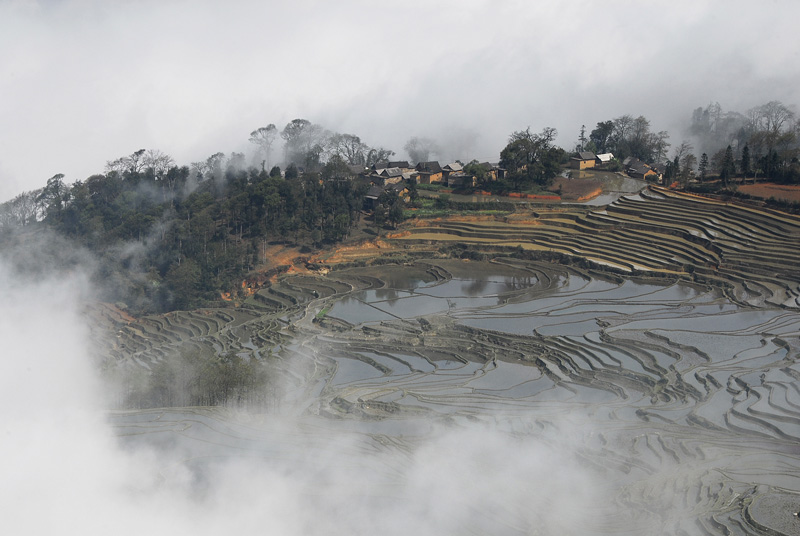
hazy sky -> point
(86, 81)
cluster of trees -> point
(311, 146)
(627, 136)
(763, 142)
(175, 237)
(682, 167)
(195, 378)
(531, 159)
(171, 239)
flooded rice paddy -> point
(506, 397)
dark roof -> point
(374, 192)
(632, 161)
(398, 186)
(399, 163)
(392, 172)
(430, 167)
(585, 155)
(638, 167)
(356, 169)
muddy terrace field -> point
(783, 192)
(651, 389)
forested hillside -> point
(174, 240)
(170, 236)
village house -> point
(584, 160)
(460, 180)
(449, 169)
(374, 193)
(660, 170)
(402, 164)
(401, 188)
(637, 169)
(493, 171)
(428, 173)
(371, 197)
(382, 177)
(604, 159)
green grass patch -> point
(323, 312)
(429, 187)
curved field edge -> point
(754, 251)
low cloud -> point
(66, 462)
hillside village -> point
(398, 176)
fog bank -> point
(65, 464)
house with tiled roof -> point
(428, 173)
(637, 169)
(583, 160)
(604, 159)
(385, 176)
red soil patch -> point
(116, 314)
(424, 222)
(535, 196)
(766, 190)
(577, 189)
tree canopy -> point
(532, 159)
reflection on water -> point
(413, 298)
(682, 403)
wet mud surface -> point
(678, 400)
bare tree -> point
(684, 148)
(214, 164)
(773, 117)
(305, 142)
(772, 127)
(21, 210)
(158, 162)
(236, 161)
(376, 155)
(200, 169)
(622, 127)
(133, 163)
(263, 138)
(688, 163)
(349, 148)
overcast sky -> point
(86, 81)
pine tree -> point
(745, 166)
(702, 168)
(728, 167)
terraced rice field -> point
(521, 396)
(754, 252)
